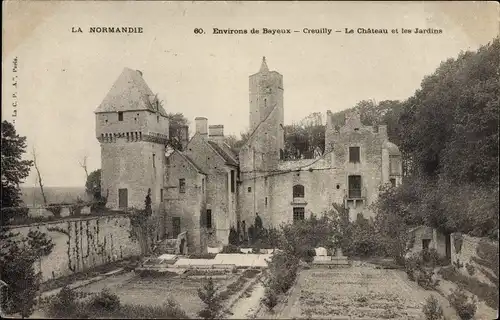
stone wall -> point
(464, 252)
(187, 206)
(217, 187)
(83, 243)
(437, 240)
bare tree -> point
(39, 177)
(83, 164)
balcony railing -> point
(356, 193)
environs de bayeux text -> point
(268, 31)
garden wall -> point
(83, 243)
(481, 253)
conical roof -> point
(130, 92)
(263, 66)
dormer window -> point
(120, 116)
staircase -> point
(172, 245)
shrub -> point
(106, 300)
(282, 272)
(470, 269)
(233, 237)
(412, 264)
(63, 304)
(426, 280)
(430, 257)
(465, 307)
(482, 290)
(13, 213)
(231, 249)
(457, 264)
(212, 300)
(432, 309)
(270, 298)
(309, 255)
(55, 209)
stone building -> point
(206, 189)
(357, 160)
(132, 129)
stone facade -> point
(223, 190)
(268, 183)
(83, 243)
(423, 237)
(132, 129)
(186, 203)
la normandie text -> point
(115, 29)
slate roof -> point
(129, 92)
(189, 160)
(226, 155)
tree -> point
(83, 164)
(14, 169)
(93, 184)
(142, 226)
(177, 122)
(17, 258)
(211, 298)
(234, 143)
(40, 183)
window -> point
(203, 185)
(393, 182)
(233, 178)
(157, 118)
(394, 165)
(298, 191)
(209, 218)
(182, 185)
(354, 187)
(298, 214)
(265, 103)
(154, 165)
(354, 154)
(282, 155)
(426, 243)
(249, 189)
(120, 116)
(161, 195)
(266, 201)
(122, 198)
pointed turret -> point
(263, 66)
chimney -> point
(201, 125)
(216, 132)
(184, 137)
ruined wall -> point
(465, 251)
(188, 206)
(84, 243)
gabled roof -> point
(188, 160)
(130, 92)
(225, 155)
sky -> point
(63, 76)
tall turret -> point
(132, 128)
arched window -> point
(298, 191)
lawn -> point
(132, 289)
(354, 293)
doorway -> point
(122, 198)
(176, 226)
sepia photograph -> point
(250, 160)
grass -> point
(202, 256)
(87, 310)
(234, 287)
(485, 292)
(66, 280)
